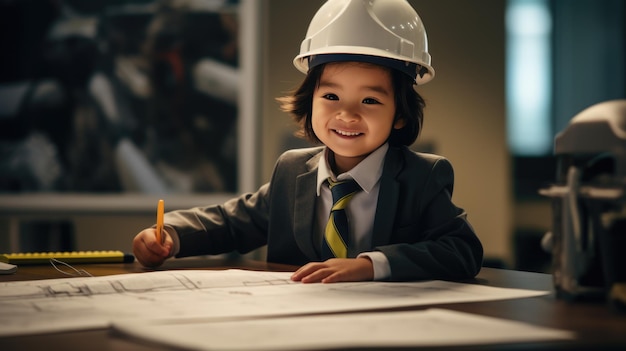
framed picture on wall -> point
(108, 105)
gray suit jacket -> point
(421, 232)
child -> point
(358, 100)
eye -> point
(330, 97)
(370, 101)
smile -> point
(344, 133)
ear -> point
(399, 123)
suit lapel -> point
(304, 208)
(387, 199)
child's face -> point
(353, 111)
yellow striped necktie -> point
(337, 234)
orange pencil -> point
(159, 224)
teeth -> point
(346, 133)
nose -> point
(348, 113)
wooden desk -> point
(597, 327)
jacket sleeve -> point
(437, 242)
(243, 223)
(238, 224)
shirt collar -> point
(366, 173)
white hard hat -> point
(387, 32)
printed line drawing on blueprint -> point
(128, 283)
(91, 302)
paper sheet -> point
(93, 302)
(432, 327)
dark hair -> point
(409, 106)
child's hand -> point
(336, 270)
(148, 251)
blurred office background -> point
(190, 114)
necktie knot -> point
(342, 191)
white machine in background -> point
(588, 238)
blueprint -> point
(80, 303)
